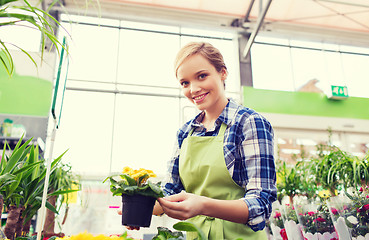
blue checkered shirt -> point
(248, 154)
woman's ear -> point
(224, 74)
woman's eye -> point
(202, 76)
(184, 83)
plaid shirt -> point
(248, 154)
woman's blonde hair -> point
(207, 50)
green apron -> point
(203, 172)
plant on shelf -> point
(138, 195)
(23, 195)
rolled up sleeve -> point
(258, 157)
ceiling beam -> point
(256, 29)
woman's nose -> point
(195, 87)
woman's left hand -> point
(183, 205)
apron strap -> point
(221, 130)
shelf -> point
(12, 141)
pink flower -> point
(283, 234)
(277, 215)
(361, 189)
(363, 208)
(320, 219)
(311, 213)
(334, 211)
(367, 196)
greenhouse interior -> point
(81, 127)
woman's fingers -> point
(177, 197)
(182, 206)
(132, 228)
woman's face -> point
(202, 84)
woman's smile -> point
(199, 98)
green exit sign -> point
(338, 92)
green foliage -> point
(190, 227)
(330, 169)
(357, 212)
(127, 185)
(164, 234)
(22, 178)
(16, 14)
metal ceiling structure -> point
(338, 21)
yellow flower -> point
(89, 236)
(324, 194)
(137, 173)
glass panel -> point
(306, 44)
(147, 58)
(207, 33)
(14, 37)
(356, 74)
(93, 52)
(90, 20)
(309, 70)
(150, 26)
(86, 131)
(271, 67)
(272, 40)
(333, 65)
(144, 132)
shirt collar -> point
(227, 115)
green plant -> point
(190, 227)
(357, 213)
(133, 182)
(23, 193)
(62, 181)
(164, 234)
(16, 12)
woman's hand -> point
(182, 206)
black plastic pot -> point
(137, 210)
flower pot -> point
(137, 210)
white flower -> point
(352, 219)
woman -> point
(222, 175)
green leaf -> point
(17, 155)
(190, 227)
(3, 2)
(49, 206)
(129, 179)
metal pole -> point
(40, 226)
(256, 30)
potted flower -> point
(357, 214)
(138, 195)
(277, 223)
(291, 223)
(338, 206)
(315, 219)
